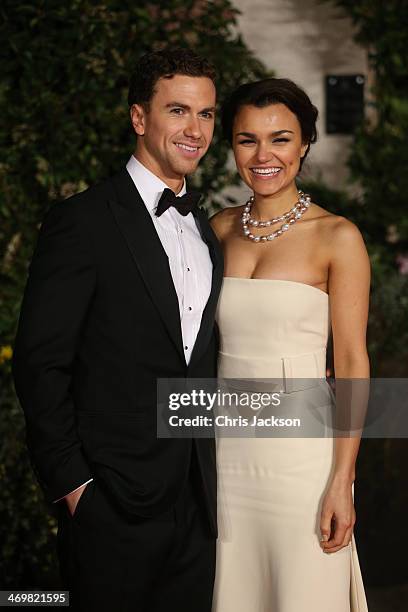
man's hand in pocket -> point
(72, 499)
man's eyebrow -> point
(210, 109)
(277, 133)
(178, 104)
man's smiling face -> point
(176, 130)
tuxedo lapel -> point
(207, 320)
(137, 228)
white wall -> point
(304, 40)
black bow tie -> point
(184, 204)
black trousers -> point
(111, 563)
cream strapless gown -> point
(270, 490)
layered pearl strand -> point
(289, 218)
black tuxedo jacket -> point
(99, 324)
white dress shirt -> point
(189, 258)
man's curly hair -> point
(164, 64)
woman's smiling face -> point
(267, 144)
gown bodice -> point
(272, 328)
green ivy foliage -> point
(378, 163)
(379, 158)
(65, 125)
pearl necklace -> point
(290, 217)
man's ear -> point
(137, 115)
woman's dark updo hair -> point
(272, 91)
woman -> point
(291, 268)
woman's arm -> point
(349, 286)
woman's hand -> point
(338, 516)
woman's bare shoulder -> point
(336, 226)
(341, 235)
(225, 221)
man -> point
(122, 290)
